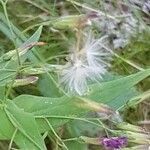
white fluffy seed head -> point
(74, 77)
(96, 55)
(89, 64)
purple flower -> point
(114, 142)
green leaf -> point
(47, 86)
(34, 38)
(56, 110)
(6, 76)
(8, 69)
(46, 106)
(26, 125)
(2, 92)
(73, 145)
(24, 48)
(19, 37)
(6, 128)
(117, 92)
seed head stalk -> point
(78, 43)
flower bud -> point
(133, 137)
(25, 81)
(74, 21)
(94, 106)
(130, 127)
(21, 50)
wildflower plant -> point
(57, 95)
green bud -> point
(94, 106)
(72, 22)
(133, 137)
(25, 81)
(21, 50)
(130, 127)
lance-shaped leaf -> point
(57, 110)
(27, 135)
(19, 37)
(117, 92)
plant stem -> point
(10, 28)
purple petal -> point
(114, 142)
